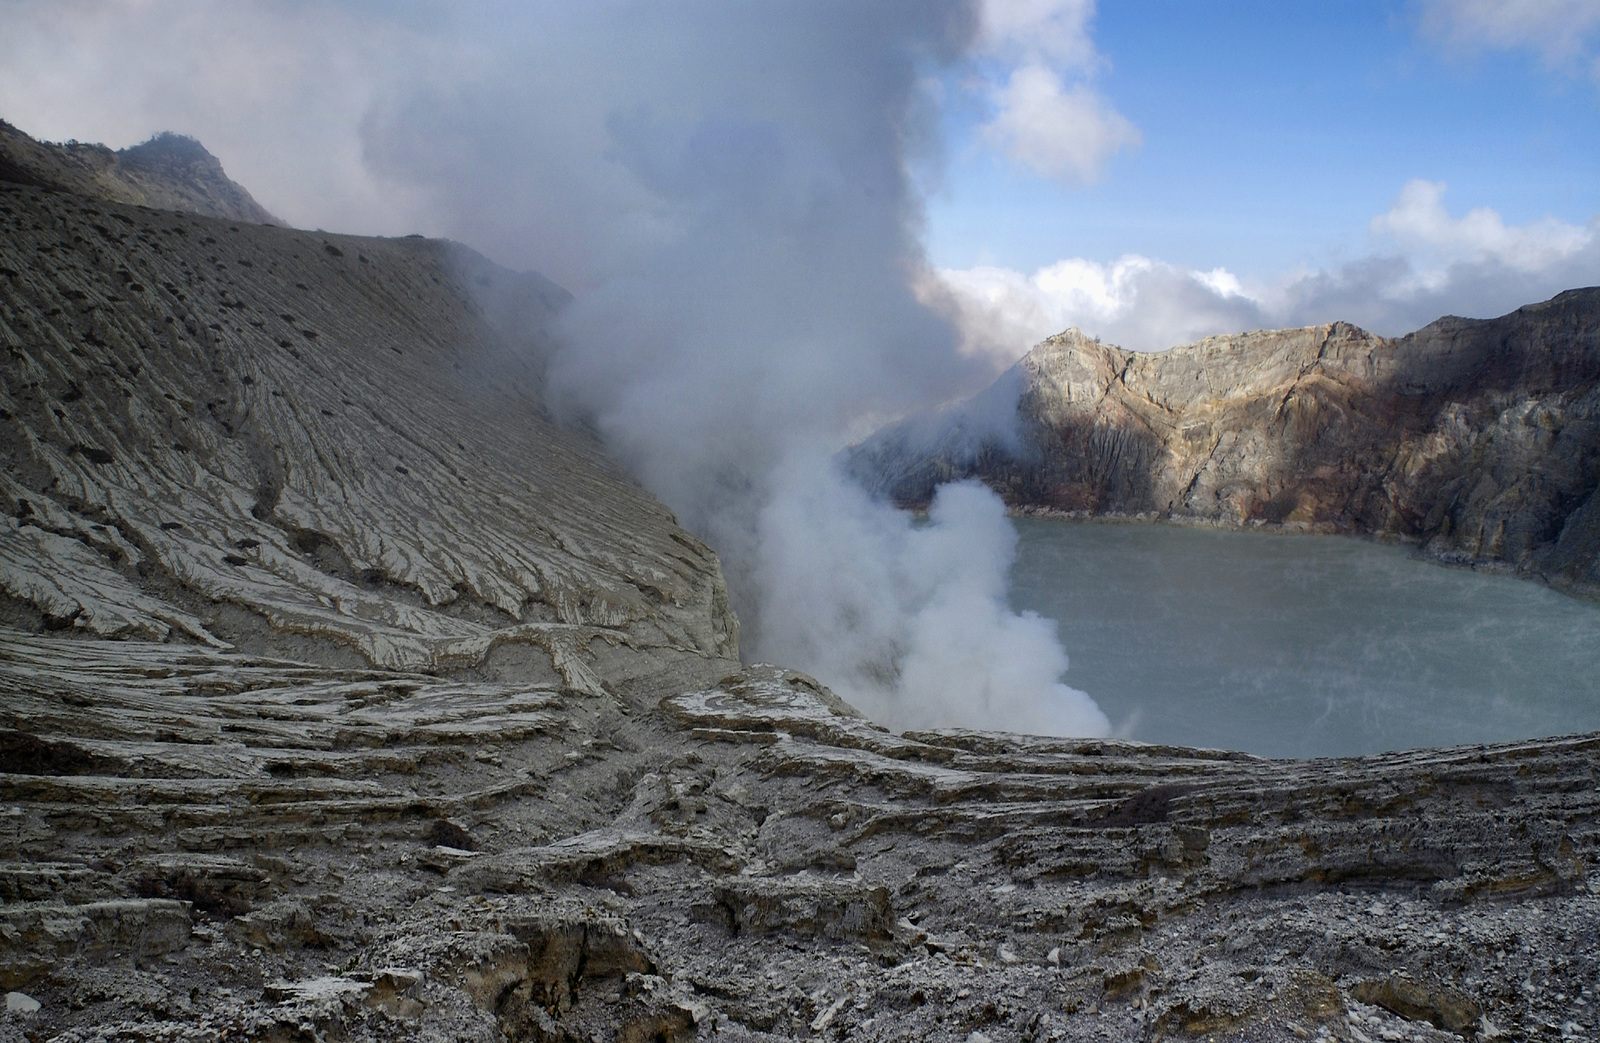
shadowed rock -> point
(1479, 439)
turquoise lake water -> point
(1304, 646)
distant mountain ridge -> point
(1479, 439)
(168, 172)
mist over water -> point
(1303, 645)
(909, 621)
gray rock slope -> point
(1479, 439)
(200, 844)
(249, 435)
(169, 172)
(343, 696)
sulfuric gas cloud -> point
(736, 178)
(725, 189)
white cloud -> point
(1046, 113)
(1557, 29)
(1419, 222)
(1061, 132)
(1133, 301)
(1042, 30)
(1425, 263)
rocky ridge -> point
(168, 172)
(1477, 439)
(345, 696)
(252, 436)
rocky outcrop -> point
(168, 172)
(1479, 439)
(345, 696)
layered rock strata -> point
(285, 441)
(1478, 439)
(200, 844)
(345, 696)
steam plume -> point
(722, 186)
(775, 318)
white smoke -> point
(909, 621)
(771, 318)
(724, 187)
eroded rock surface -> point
(344, 696)
(203, 842)
(1479, 439)
(253, 436)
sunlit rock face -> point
(1479, 439)
(345, 696)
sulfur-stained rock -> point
(1443, 1006)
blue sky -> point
(1271, 134)
(1158, 172)
(1152, 171)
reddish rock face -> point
(1477, 438)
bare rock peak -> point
(168, 172)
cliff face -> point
(344, 696)
(1478, 439)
